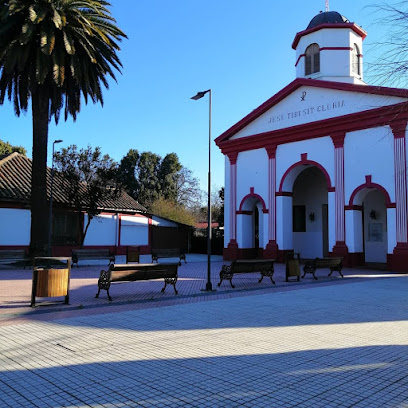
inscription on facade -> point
(326, 107)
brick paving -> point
(328, 343)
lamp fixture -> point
(312, 216)
(373, 215)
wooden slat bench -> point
(13, 255)
(334, 264)
(138, 272)
(168, 253)
(92, 254)
(263, 266)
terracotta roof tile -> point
(15, 186)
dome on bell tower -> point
(328, 17)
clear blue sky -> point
(240, 49)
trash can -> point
(132, 254)
(51, 281)
(292, 261)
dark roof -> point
(328, 17)
(15, 187)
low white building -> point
(321, 167)
(123, 221)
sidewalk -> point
(331, 343)
(15, 289)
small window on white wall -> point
(312, 59)
(356, 63)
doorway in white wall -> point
(252, 226)
(310, 220)
(375, 227)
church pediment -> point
(307, 101)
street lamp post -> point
(51, 186)
(208, 286)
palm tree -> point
(54, 52)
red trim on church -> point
(358, 30)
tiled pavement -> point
(330, 343)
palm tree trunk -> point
(39, 203)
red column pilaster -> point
(400, 254)
(340, 248)
(271, 250)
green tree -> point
(169, 168)
(54, 52)
(147, 174)
(89, 178)
(147, 177)
(7, 148)
(173, 211)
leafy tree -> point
(89, 179)
(147, 174)
(127, 173)
(52, 52)
(147, 177)
(173, 211)
(7, 148)
(168, 171)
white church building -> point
(320, 168)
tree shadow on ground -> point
(356, 377)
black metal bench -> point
(138, 272)
(13, 255)
(168, 253)
(334, 264)
(92, 254)
(263, 266)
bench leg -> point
(269, 274)
(225, 273)
(170, 281)
(104, 283)
(309, 269)
(335, 269)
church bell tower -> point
(330, 49)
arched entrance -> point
(252, 224)
(371, 223)
(310, 214)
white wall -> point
(102, 230)
(369, 152)
(135, 230)
(284, 222)
(320, 150)
(162, 222)
(252, 171)
(15, 226)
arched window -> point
(356, 63)
(312, 56)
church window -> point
(356, 63)
(312, 57)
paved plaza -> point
(328, 343)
